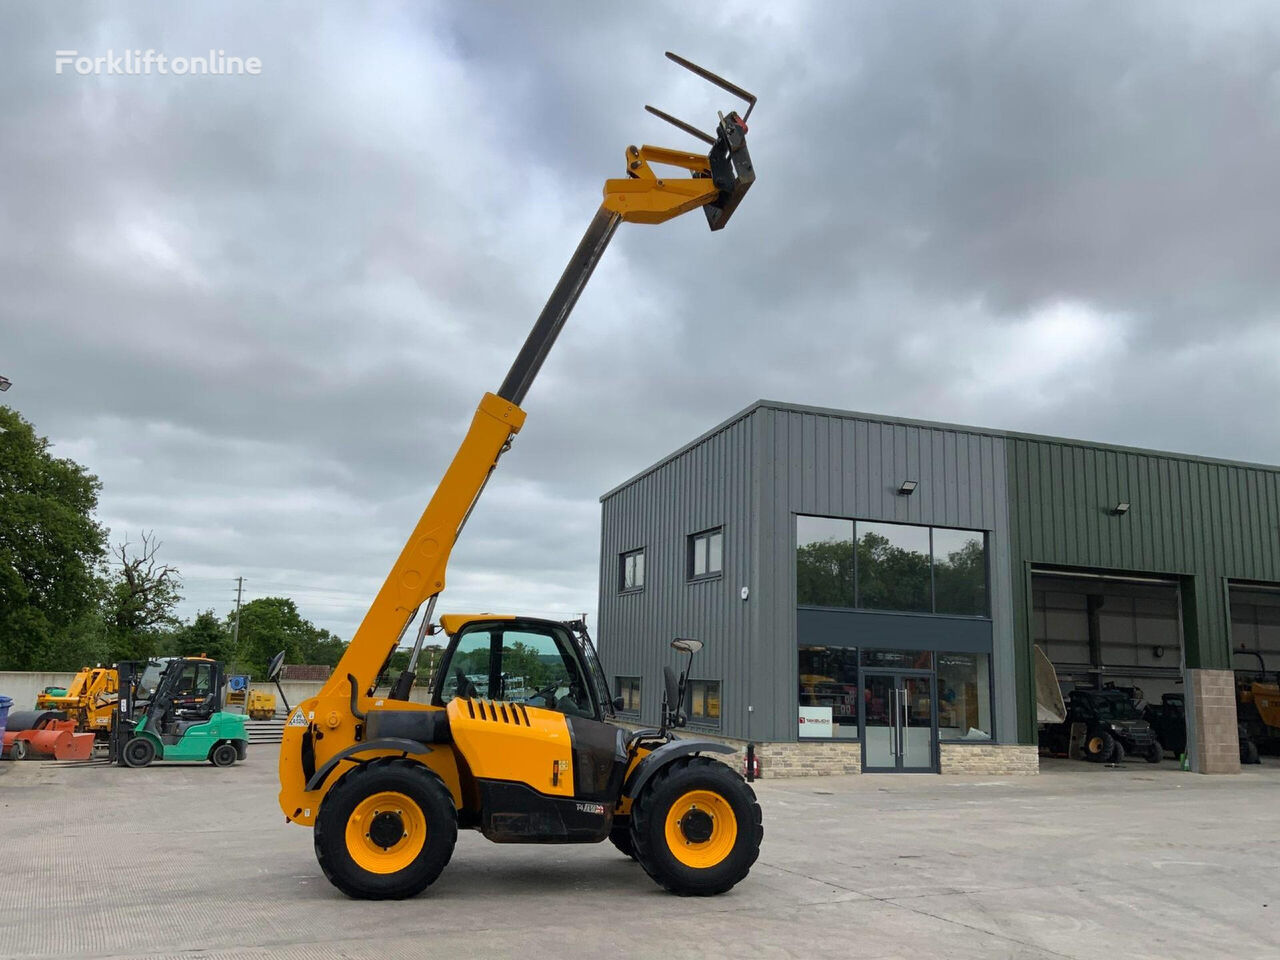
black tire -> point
(224, 754)
(1099, 746)
(1155, 753)
(1117, 754)
(139, 752)
(649, 818)
(18, 750)
(1249, 752)
(620, 837)
(434, 804)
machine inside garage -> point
(1118, 641)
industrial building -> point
(870, 589)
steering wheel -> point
(546, 694)
(466, 689)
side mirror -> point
(277, 663)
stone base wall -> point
(1217, 740)
(826, 758)
(992, 759)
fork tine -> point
(677, 122)
(719, 81)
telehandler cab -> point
(518, 741)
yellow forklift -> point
(519, 739)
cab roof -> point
(453, 622)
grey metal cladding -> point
(850, 465)
(705, 485)
(752, 474)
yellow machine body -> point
(90, 699)
(261, 704)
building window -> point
(964, 696)
(890, 566)
(824, 562)
(629, 692)
(706, 554)
(828, 692)
(959, 572)
(631, 571)
(704, 701)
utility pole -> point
(235, 633)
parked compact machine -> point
(518, 742)
(90, 700)
(176, 715)
(1108, 724)
(1258, 706)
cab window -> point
(524, 664)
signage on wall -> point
(815, 721)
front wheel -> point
(1098, 746)
(1155, 753)
(139, 752)
(696, 827)
(224, 755)
(386, 830)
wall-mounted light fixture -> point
(1120, 509)
(1157, 651)
(907, 489)
(5, 384)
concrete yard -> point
(194, 861)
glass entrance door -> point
(899, 723)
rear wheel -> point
(18, 750)
(1249, 752)
(1098, 746)
(386, 830)
(696, 827)
(224, 755)
(1155, 753)
(139, 752)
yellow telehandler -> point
(519, 739)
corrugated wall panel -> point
(703, 487)
(1202, 521)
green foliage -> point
(891, 577)
(50, 548)
(960, 580)
(205, 634)
(824, 573)
(271, 624)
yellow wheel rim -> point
(701, 829)
(386, 832)
(1095, 745)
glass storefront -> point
(964, 696)
(837, 682)
(829, 692)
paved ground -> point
(1080, 862)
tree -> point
(206, 634)
(271, 624)
(50, 549)
(140, 600)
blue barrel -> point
(5, 704)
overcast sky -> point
(262, 309)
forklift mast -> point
(715, 182)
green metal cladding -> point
(1202, 521)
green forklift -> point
(172, 710)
